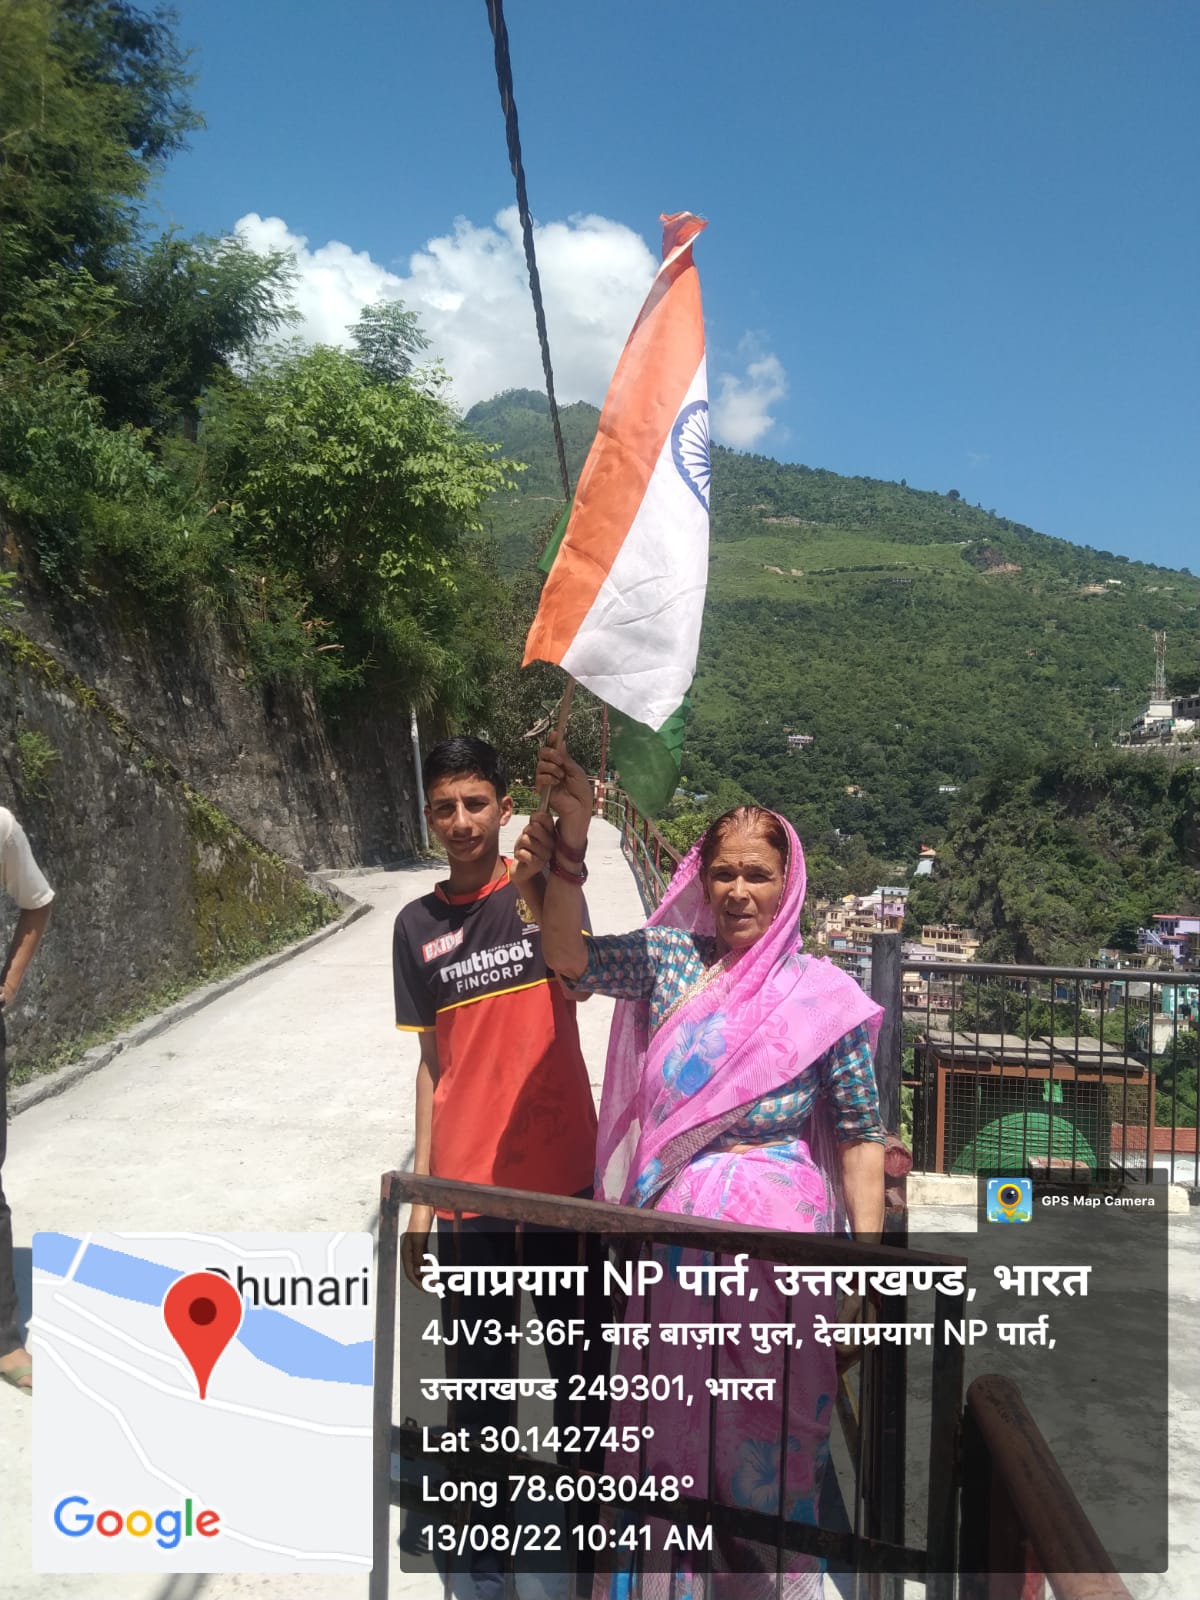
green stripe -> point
(648, 760)
(556, 538)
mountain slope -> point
(918, 639)
(1067, 858)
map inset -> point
(271, 1471)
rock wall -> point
(321, 790)
(157, 890)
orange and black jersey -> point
(512, 1106)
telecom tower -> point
(1158, 690)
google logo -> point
(169, 1526)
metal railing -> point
(650, 857)
(1078, 1069)
(1001, 1519)
(1019, 1515)
(874, 1416)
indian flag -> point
(622, 605)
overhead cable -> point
(495, 10)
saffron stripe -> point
(648, 389)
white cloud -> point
(470, 291)
(742, 406)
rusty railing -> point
(873, 1418)
(1022, 1526)
(651, 859)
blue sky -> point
(952, 241)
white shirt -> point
(20, 875)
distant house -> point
(1174, 1150)
(949, 941)
(912, 990)
(846, 925)
(924, 864)
(925, 991)
(1170, 935)
(1162, 718)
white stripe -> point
(636, 647)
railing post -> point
(1032, 1523)
(975, 1499)
(384, 1378)
(883, 1401)
(945, 1419)
(885, 991)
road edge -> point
(55, 1083)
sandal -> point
(16, 1376)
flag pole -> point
(564, 711)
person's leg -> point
(582, 1361)
(582, 1364)
(12, 1353)
(586, 1359)
(480, 1241)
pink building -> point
(1172, 934)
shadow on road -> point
(183, 1586)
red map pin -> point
(202, 1311)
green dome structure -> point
(1006, 1143)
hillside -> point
(1066, 858)
(919, 640)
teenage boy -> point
(502, 1091)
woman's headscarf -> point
(764, 1016)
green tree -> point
(362, 493)
(386, 337)
(62, 470)
(184, 308)
(93, 98)
(1178, 1070)
(1053, 862)
(516, 705)
(685, 824)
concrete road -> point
(276, 1108)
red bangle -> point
(577, 878)
(568, 851)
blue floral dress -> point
(662, 964)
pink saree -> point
(749, 1029)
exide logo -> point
(438, 947)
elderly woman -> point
(738, 1087)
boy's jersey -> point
(512, 1106)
